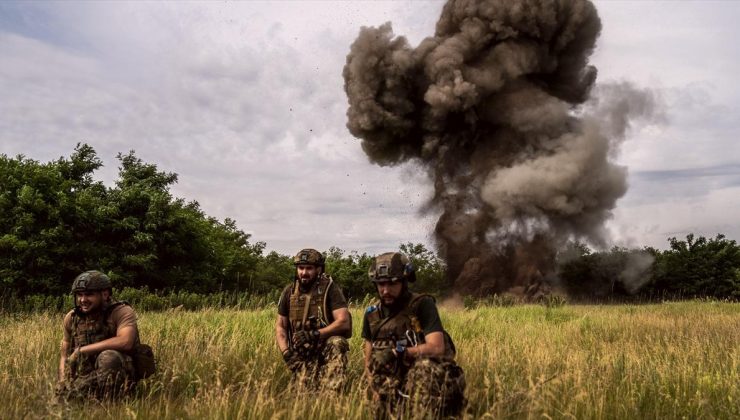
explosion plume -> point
(491, 106)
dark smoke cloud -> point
(492, 107)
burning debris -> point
(492, 107)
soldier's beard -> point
(307, 282)
(396, 303)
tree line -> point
(56, 221)
(690, 268)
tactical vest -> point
(88, 330)
(404, 326)
(310, 307)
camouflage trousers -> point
(326, 370)
(109, 375)
(431, 387)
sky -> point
(245, 102)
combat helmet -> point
(392, 266)
(309, 256)
(89, 281)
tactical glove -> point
(306, 340)
(288, 355)
(384, 360)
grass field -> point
(673, 360)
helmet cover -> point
(392, 266)
(92, 280)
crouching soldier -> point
(101, 356)
(313, 326)
(409, 357)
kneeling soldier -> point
(313, 325)
(100, 340)
(409, 357)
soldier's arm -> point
(281, 333)
(63, 358)
(342, 324)
(124, 341)
(367, 349)
(434, 346)
(431, 325)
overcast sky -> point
(245, 102)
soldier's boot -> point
(334, 370)
(436, 387)
(114, 374)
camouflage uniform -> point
(426, 386)
(108, 374)
(326, 369)
(321, 364)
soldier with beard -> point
(100, 340)
(409, 357)
(313, 325)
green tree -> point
(430, 268)
(48, 219)
(619, 272)
(238, 258)
(698, 266)
(56, 221)
(350, 271)
(273, 272)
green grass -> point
(675, 360)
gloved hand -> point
(306, 340)
(384, 360)
(288, 355)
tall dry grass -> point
(677, 360)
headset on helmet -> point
(392, 266)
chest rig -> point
(308, 310)
(385, 332)
(88, 330)
(403, 327)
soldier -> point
(409, 357)
(100, 337)
(313, 325)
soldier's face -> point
(91, 301)
(389, 291)
(307, 273)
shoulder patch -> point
(371, 309)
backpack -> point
(144, 363)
